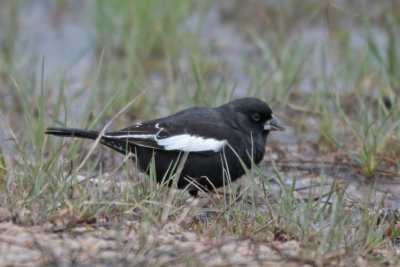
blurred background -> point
(191, 53)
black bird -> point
(217, 141)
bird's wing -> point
(182, 132)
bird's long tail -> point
(72, 132)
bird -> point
(212, 145)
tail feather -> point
(72, 132)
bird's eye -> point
(256, 117)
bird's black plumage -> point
(215, 139)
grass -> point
(342, 92)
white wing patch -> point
(183, 142)
(190, 143)
(125, 136)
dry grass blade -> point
(97, 141)
(233, 202)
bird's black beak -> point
(273, 124)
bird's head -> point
(254, 115)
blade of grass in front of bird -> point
(3, 166)
(40, 124)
